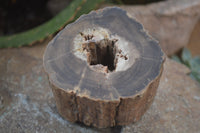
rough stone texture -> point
(194, 42)
(28, 104)
(171, 22)
(176, 105)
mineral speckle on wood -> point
(97, 71)
(103, 51)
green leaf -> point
(195, 76)
(186, 56)
(194, 65)
(197, 59)
(192, 76)
(176, 58)
(74, 10)
(119, 2)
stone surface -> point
(27, 103)
(176, 105)
(194, 42)
(171, 22)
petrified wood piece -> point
(104, 69)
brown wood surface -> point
(104, 98)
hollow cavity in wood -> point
(103, 51)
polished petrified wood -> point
(104, 69)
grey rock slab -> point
(171, 22)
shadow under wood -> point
(116, 129)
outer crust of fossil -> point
(102, 98)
